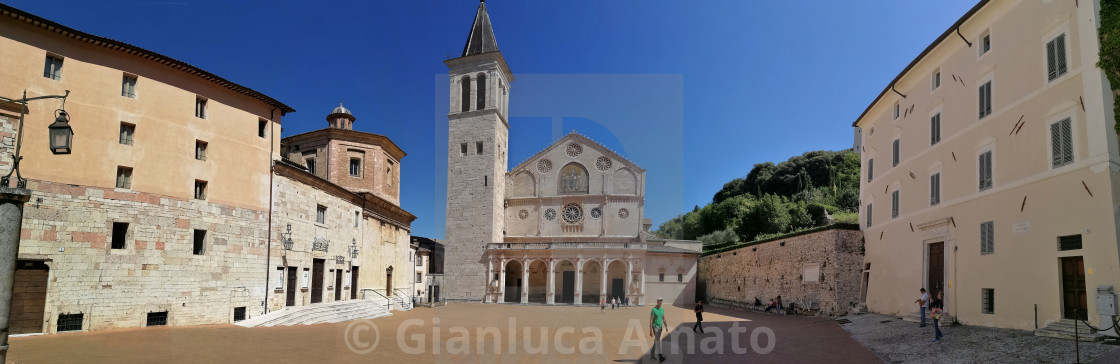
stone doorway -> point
(513, 281)
(338, 284)
(566, 282)
(1074, 297)
(616, 277)
(538, 281)
(290, 299)
(353, 283)
(29, 297)
(935, 269)
(317, 280)
(389, 281)
(592, 272)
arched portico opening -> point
(513, 281)
(616, 280)
(538, 281)
(565, 282)
(592, 271)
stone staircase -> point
(1064, 329)
(402, 304)
(916, 317)
(320, 313)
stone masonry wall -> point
(70, 227)
(778, 267)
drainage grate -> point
(157, 318)
(72, 322)
(238, 314)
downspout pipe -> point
(268, 233)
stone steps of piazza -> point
(1065, 328)
(320, 313)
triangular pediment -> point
(560, 147)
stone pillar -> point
(11, 223)
(551, 294)
(626, 282)
(502, 285)
(524, 281)
(603, 282)
(489, 296)
(643, 293)
(578, 299)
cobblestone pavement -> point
(436, 335)
(898, 341)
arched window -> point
(573, 179)
(481, 91)
(465, 85)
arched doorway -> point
(565, 282)
(616, 280)
(538, 281)
(513, 281)
(592, 272)
(388, 281)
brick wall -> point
(778, 267)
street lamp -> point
(12, 200)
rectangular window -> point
(987, 300)
(895, 152)
(355, 167)
(868, 212)
(157, 318)
(896, 108)
(199, 150)
(1069, 242)
(321, 214)
(71, 322)
(124, 177)
(935, 129)
(310, 162)
(419, 260)
(985, 43)
(985, 95)
(199, 189)
(53, 67)
(120, 233)
(935, 80)
(478, 148)
(262, 128)
(680, 277)
(935, 189)
(870, 169)
(357, 216)
(127, 130)
(1061, 143)
(128, 86)
(894, 204)
(463, 148)
(199, 242)
(199, 107)
(389, 173)
(239, 314)
(660, 277)
(985, 171)
(1056, 57)
(419, 278)
(987, 238)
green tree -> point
(768, 216)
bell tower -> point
(476, 159)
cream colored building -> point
(565, 226)
(990, 171)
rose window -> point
(574, 150)
(603, 163)
(596, 213)
(544, 165)
(550, 214)
(573, 213)
(623, 213)
(523, 214)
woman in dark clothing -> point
(699, 316)
(935, 307)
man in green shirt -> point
(656, 323)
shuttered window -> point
(985, 170)
(870, 169)
(935, 129)
(894, 153)
(894, 204)
(868, 212)
(124, 177)
(985, 94)
(52, 69)
(1061, 143)
(987, 238)
(1056, 57)
(935, 189)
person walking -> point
(923, 304)
(602, 305)
(656, 324)
(614, 303)
(699, 309)
(936, 308)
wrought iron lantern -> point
(61, 135)
(353, 249)
(286, 238)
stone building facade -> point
(565, 226)
(819, 271)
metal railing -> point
(388, 301)
(404, 296)
(548, 246)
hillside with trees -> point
(806, 191)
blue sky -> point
(756, 80)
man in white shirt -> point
(923, 303)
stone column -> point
(11, 223)
(578, 299)
(629, 277)
(524, 281)
(487, 295)
(551, 294)
(502, 285)
(643, 293)
(603, 282)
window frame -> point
(124, 173)
(123, 241)
(50, 71)
(985, 109)
(935, 128)
(896, 202)
(896, 151)
(355, 169)
(198, 242)
(868, 213)
(985, 39)
(131, 129)
(200, 189)
(897, 109)
(129, 90)
(935, 188)
(321, 214)
(262, 128)
(1051, 36)
(991, 169)
(987, 238)
(1072, 146)
(200, 150)
(988, 301)
(870, 169)
(201, 107)
(935, 80)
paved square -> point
(438, 333)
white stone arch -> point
(523, 184)
(624, 182)
(592, 270)
(564, 291)
(538, 280)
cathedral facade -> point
(566, 226)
